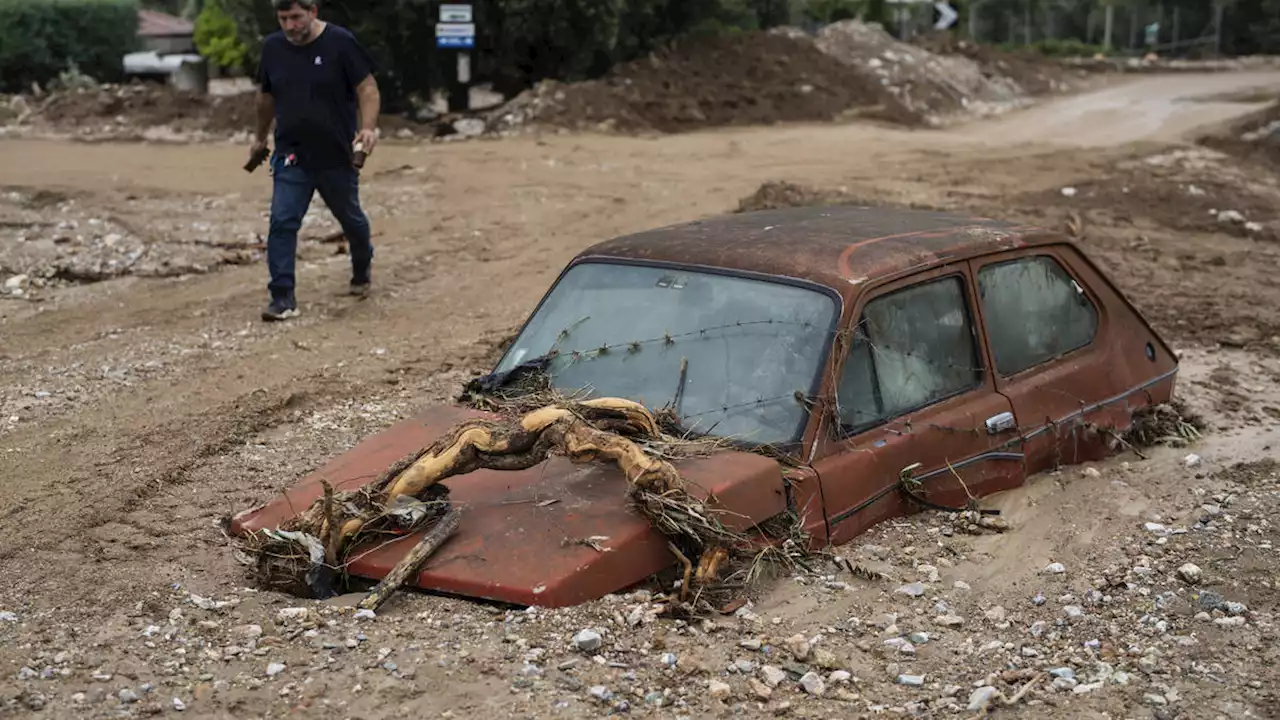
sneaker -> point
(360, 283)
(281, 308)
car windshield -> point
(734, 357)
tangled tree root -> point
(1170, 424)
(303, 556)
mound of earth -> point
(933, 89)
(144, 105)
(1254, 137)
(777, 195)
(744, 79)
(1035, 73)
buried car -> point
(849, 342)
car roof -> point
(841, 246)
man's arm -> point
(370, 101)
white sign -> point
(456, 30)
(946, 15)
(455, 14)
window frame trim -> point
(962, 272)
(1051, 252)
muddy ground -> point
(141, 400)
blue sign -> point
(456, 42)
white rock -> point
(6, 616)
(979, 699)
(1192, 460)
(772, 676)
(996, 614)
(17, 282)
(1068, 192)
(718, 689)
(366, 614)
(961, 585)
(1075, 612)
(902, 645)
(1190, 573)
(950, 620)
(1055, 569)
(1234, 621)
(913, 589)
(911, 680)
(1090, 472)
(1063, 683)
(839, 676)
(1086, 688)
(292, 613)
(179, 705)
(588, 640)
(1154, 699)
(274, 669)
(1230, 217)
(812, 684)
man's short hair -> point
(282, 5)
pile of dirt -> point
(744, 79)
(934, 89)
(778, 195)
(143, 105)
(1035, 73)
(1255, 137)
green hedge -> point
(39, 39)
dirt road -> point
(136, 411)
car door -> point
(913, 387)
(1070, 354)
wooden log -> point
(412, 563)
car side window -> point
(911, 348)
(1034, 312)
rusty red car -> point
(854, 341)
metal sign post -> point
(456, 32)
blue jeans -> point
(339, 188)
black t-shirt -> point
(314, 88)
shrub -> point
(217, 38)
(40, 39)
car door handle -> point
(997, 424)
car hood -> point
(520, 532)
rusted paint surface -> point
(518, 538)
(832, 246)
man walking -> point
(313, 77)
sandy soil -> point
(137, 410)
